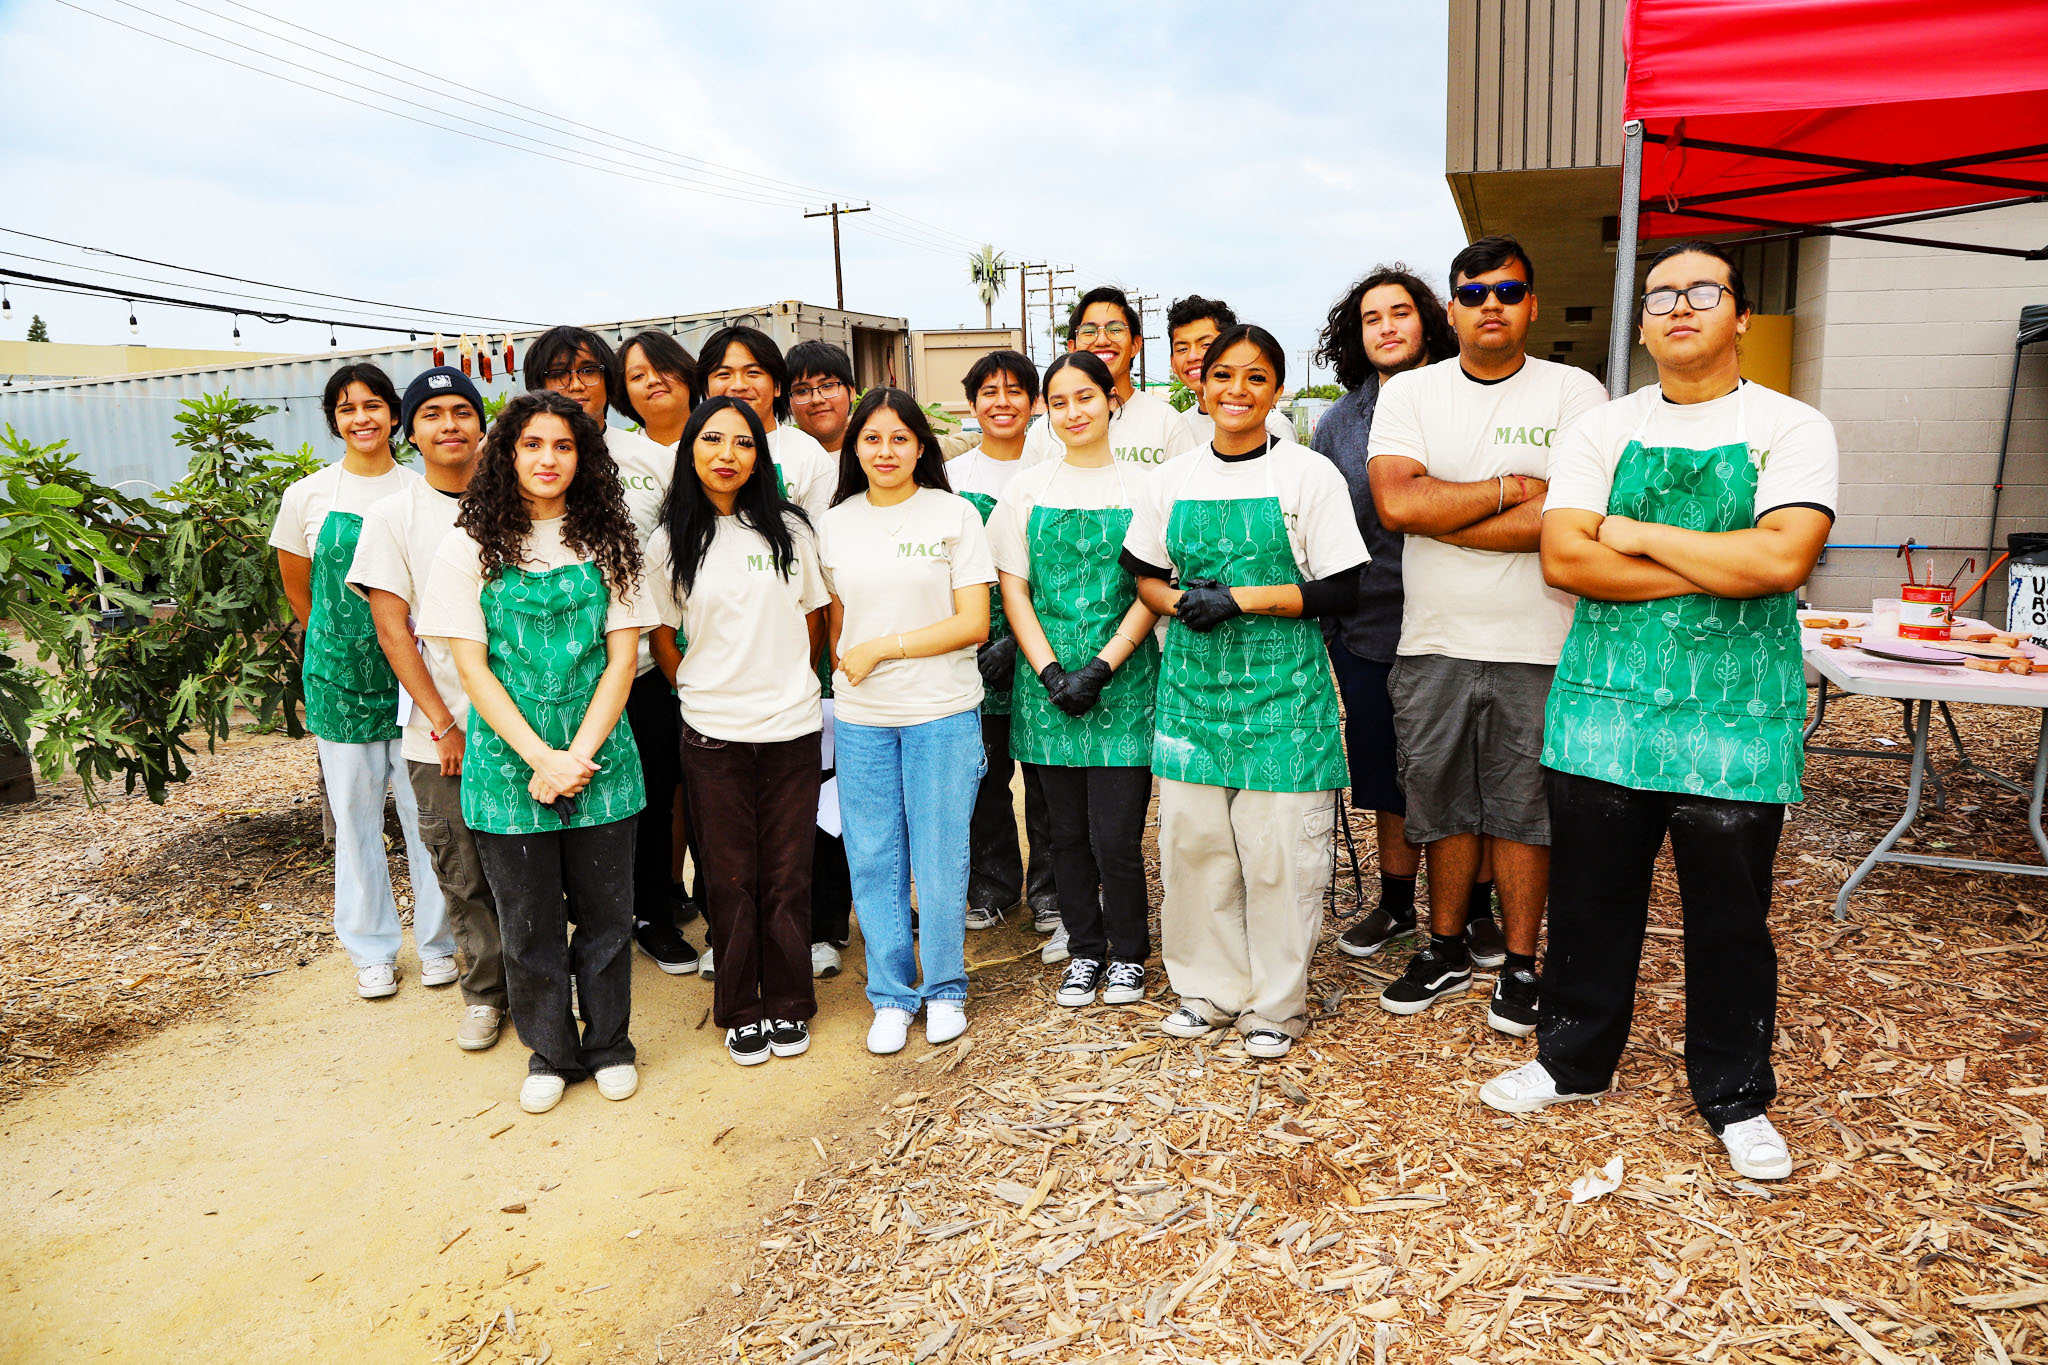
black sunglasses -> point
(1509, 292)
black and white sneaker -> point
(1045, 915)
(1483, 941)
(1077, 987)
(748, 1044)
(1513, 1010)
(1429, 978)
(1124, 984)
(1373, 933)
(1187, 1022)
(985, 916)
(666, 945)
(788, 1037)
(1267, 1044)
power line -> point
(56, 285)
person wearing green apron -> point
(1084, 715)
(1002, 388)
(352, 694)
(538, 594)
(1684, 516)
(1243, 545)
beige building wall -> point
(1910, 351)
(24, 360)
(940, 359)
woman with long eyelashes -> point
(1243, 545)
(908, 567)
(351, 692)
(734, 570)
(538, 594)
(1084, 719)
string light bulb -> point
(330, 335)
(238, 329)
(133, 326)
(6, 306)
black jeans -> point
(651, 708)
(1604, 840)
(831, 891)
(1098, 849)
(757, 872)
(541, 882)
(996, 875)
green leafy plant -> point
(38, 330)
(196, 626)
(1180, 395)
(988, 270)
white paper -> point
(1591, 1187)
(828, 806)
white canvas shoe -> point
(376, 981)
(890, 1031)
(618, 1082)
(438, 971)
(944, 1020)
(539, 1092)
(1756, 1151)
(1526, 1089)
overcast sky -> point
(1262, 154)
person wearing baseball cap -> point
(442, 415)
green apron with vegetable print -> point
(1250, 705)
(1697, 694)
(547, 646)
(1080, 591)
(351, 692)
(993, 702)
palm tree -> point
(989, 270)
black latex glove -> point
(1205, 604)
(997, 661)
(1081, 689)
(1054, 677)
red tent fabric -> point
(1721, 84)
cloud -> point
(1266, 158)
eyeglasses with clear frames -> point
(1114, 331)
(1701, 297)
(821, 393)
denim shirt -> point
(1372, 629)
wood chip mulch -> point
(1068, 1186)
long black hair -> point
(1342, 344)
(759, 345)
(930, 469)
(691, 518)
(595, 521)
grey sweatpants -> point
(1244, 875)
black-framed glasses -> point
(825, 392)
(1701, 297)
(589, 375)
(1509, 292)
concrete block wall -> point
(1910, 350)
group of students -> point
(593, 646)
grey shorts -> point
(1469, 747)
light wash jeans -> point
(914, 789)
(365, 912)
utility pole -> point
(1142, 303)
(1052, 289)
(838, 275)
(1024, 273)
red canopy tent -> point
(1795, 118)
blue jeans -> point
(365, 912)
(913, 802)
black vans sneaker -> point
(1429, 978)
(788, 1037)
(1483, 941)
(748, 1044)
(1513, 1010)
(667, 946)
(1374, 932)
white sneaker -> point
(1055, 949)
(438, 971)
(889, 1032)
(539, 1092)
(478, 1029)
(944, 1020)
(1267, 1044)
(618, 1082)
(1185, 1022)
(1755, 1150)
(376, 981)
(704, 963)
(824, 960)
(1526, 1089)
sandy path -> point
(282, 1182)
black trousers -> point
(541, 882)
(657, 733)
(1604, 840)
(757, 872)
(1098, 838)
(996, 874)
(831, 891)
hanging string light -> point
(133, 325)
(330, 335)
(6, 309)
(238, 329)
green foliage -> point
(1330, 391)
(38, 330)
(988, 270)
(494, 403)
(1180, 395)
(124, 692)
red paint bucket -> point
(1926, 611)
